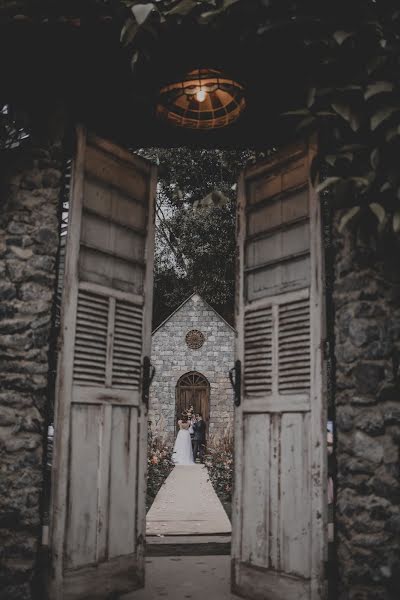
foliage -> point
(354, 104)
(195, 227)
(159, 466)
(13, 128)
(352, 50)
(206, 243)
(219, 462)
(353, 100)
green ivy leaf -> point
(348, 217)
(344, 110)
(311, 97)
(134, 59)
(300, 112)
(360, 181)
(328, 182)
(305, 123)
(392, 133)
(378, 211)
(378, 87)
(374, 158)
(128, 32)
(381, 115)
(331, 159)
(352, 147)
(142, 11)
(396, 221)
(342, 36)
(183, 8)
(346, 155)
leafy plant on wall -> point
(353, 100)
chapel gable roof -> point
(183, 304)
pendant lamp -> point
(203, 99)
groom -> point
(199, 437)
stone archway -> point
(193, 389)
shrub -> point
(159, 466)
(219, 462)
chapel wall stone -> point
(29, 224)
(172, 358)
(367, 334)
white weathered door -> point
(97, 524)
(279, 517)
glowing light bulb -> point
(201, 95)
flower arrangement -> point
(188, 413)
(219, 462)
(159, 466)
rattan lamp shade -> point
(205, 99)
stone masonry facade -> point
(367, 345)
(29, 224)
(172, 358)
(367, 399)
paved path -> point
(186, 577)
(187, 505)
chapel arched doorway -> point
(193, 389)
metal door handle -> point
(235, 376)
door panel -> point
(98, 497)
(193, 390)
(279, 515)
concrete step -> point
(188, 545)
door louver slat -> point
(258, 351)
(294, 373)
(90, 354)
(127, 346)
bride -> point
(182, 453)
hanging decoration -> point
(204, 99)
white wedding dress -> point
(182, 453)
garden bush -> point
(159, 466)
(219, 462)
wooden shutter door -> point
(279, 516)
(98, 500)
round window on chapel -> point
(194, 339)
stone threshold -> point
(188, 545)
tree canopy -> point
(195, 227)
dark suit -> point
(199, 439)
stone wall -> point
(367, 332)
(172, 359)
(29, 224)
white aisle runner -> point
(187, 505)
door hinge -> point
(235, 376)
(148, 372)
(326, 349)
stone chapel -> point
(192, 352)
